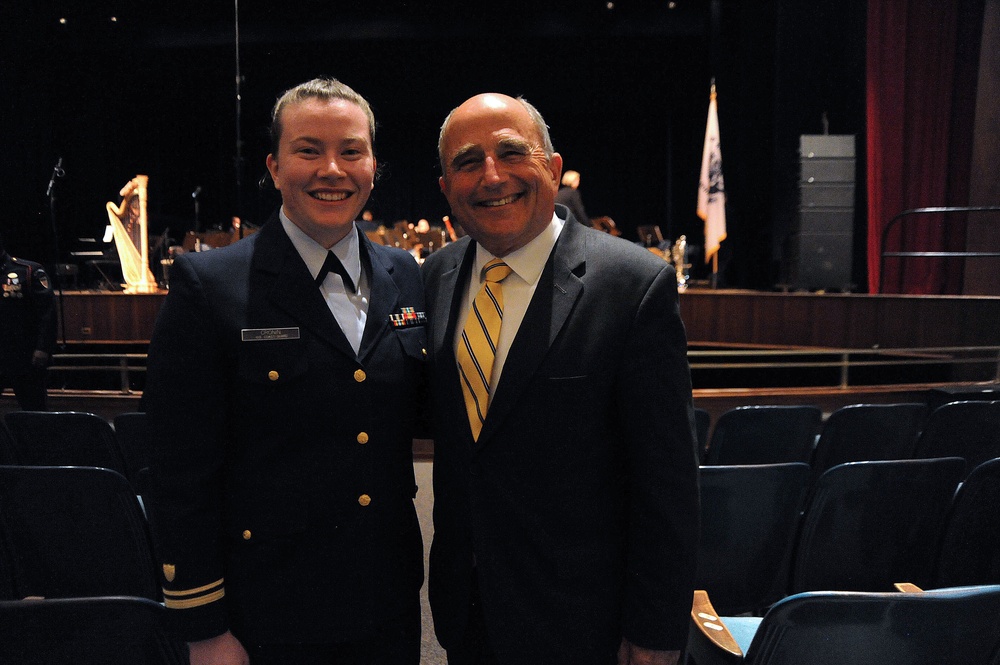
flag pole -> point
(715, 255)
(711, 188)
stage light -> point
(63, 21)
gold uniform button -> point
(363, 438)
(247, 535)
(424, 352)
(359, 375)
(273, 375)
(364, 499)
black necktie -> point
(333, 264)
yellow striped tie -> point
(479, 342)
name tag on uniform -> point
(268, 334)
(407, 317)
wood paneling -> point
(839, 320)
(109, 317)
(724, 316)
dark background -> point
(624, 89)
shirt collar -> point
(526, 262)
(348, 250)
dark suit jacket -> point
(579, 501)
(283, 466)
(27, 314)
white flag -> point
(711, 187)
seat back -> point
(86, 631)
(943, 627)
(702, 422)
(75, 532)
(764, 435)
(749, 515)
(6, 445)
(130, 431)
(868, 525)
(970, 430)
(867, 432)
(970, 546)
(64, 438)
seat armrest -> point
(906, 587)
(704, 616)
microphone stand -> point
(57, 172)
(197, 215)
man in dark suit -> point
(566, 503)
(282, 396)
(27, 329)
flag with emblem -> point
(711, 187)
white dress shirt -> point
(350, 309)
(526, 266)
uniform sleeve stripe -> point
(179, 593)
(198, 601)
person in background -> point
(569, 196)
(283, 485)
(565, 465)
(27, 329)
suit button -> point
(362, 438)
(273, 375)
(359, 375)
(364, 499)
(247, 535)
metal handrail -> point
(125, 364)
(926, 211)
(942, 355)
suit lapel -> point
(444, 316)
(559, 288)
(278, 270)
(383, 300)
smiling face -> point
(325, 168)
(498, 180)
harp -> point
(128, 221)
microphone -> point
(196, 192)
(57, 172)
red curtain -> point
(921, 71)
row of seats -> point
(774, 434)
(58, 438)
(89, 537)
(953, 626)
(77, 573)
(817, 520)
(766, 532)
(78, 580)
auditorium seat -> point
(868, 432)
(970, 430)
(60, 438)
(130, 431)
(749, 516)
(954, 626)
(970, 547)
(868, 525)
(6, 445)
(112, 630)
(769, 434)
(75, 532)
(702, 423)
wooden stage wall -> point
(729, 317)
(109, 317)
